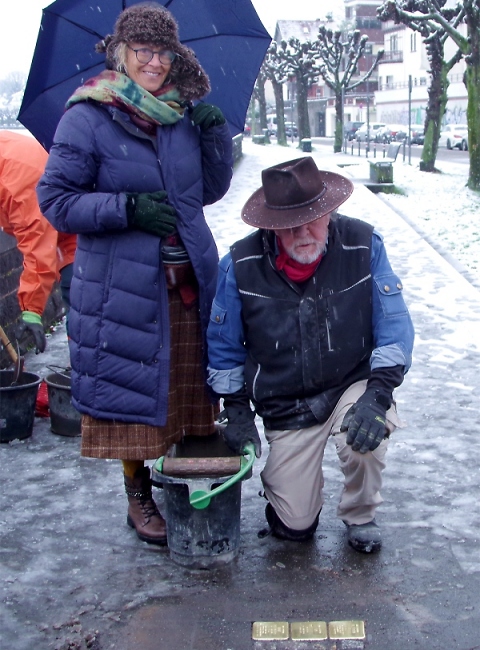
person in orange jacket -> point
(47, 254)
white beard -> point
(304, 257)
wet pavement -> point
(73, 575)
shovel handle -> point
(8, 345)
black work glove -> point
(31, 323)
(365, 421)
(241, 428)
(206, 116)
(149, 212)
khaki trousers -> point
(293, 478)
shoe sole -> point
(159, 541)
(369, 547)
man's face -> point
(305, 243)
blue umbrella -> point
(227, 37)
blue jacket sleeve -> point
(392, 325)
(225, 337)
(217, 162)
(66, 191)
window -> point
(389, 81)
(413, 42)
(393, 43)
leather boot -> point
(143, 514)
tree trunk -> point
(338, 142)
(472, 76)
(302, 109)
(262, 103)
(280, 108)
(437, 103)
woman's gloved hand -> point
(148, 211)
(32, 323)
(206, 115)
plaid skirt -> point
(190, 410)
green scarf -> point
(116, 89)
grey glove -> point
(31, 323)
(148, 211)
(366, 421)
(241, 428)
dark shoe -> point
(143, 514)
(365, 538)
(278, 528)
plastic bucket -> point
(17, 405)
(65, 420)
(203, 538)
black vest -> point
(305, 344)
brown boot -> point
(143, 514)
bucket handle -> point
(200, 499)
(60, 370)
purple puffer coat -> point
(118, 323)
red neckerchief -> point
(295, 271)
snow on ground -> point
(442, 208)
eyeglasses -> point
(145, 55)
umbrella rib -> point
(72, 22)
(94, 65)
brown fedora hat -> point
(294, 193)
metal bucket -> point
(17, 405)
(203, 512)
(65, 420)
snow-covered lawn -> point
(443, 208)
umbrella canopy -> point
(227, 37)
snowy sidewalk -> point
(71, 570)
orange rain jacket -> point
(45, 251)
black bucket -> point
(17, 405)
(201, 538)
(65, 420)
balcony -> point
(394, 56)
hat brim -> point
(256, 213)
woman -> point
(130, 169)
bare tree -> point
(468, 12)
(339, 56)
(275, 68)
(434, 37)
(303, 64)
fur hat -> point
(151, 23)
(294, 193)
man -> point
(47, 254)
(309, 323)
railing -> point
(395, 56)
(371, 150)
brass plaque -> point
(270, 631)
(309, 631)
(346, 630)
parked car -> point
(417, 134)
(454, 136)
(272, 124)
(388, 132)
(291, 129)
(350, 129)
(361, 134)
